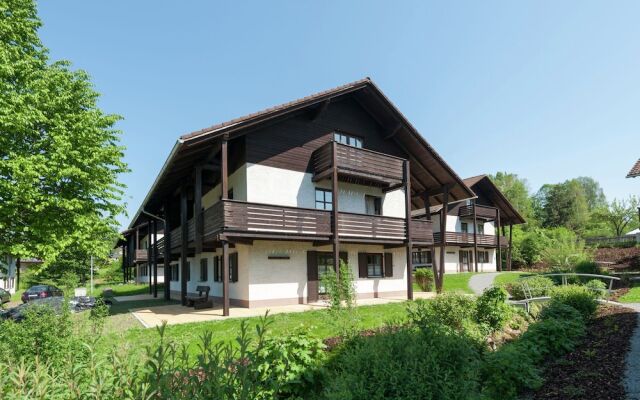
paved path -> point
(479, 282)
(632, 370)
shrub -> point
(492, 308)
(340, 290)
(587, 267)
(578, 297)
(406, 364)
(536, 286)
(424, 279)
(508, 371)
(598, 288)
(449, 309)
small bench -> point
(201, 300)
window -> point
(175, 272)
(349, 140)
(374, 265)
(483, 256)
(373, 205)
(325, 264)
(188, 271)
(481, 229)
(233, 267)
(217, 269)
(421, 259)
(324, 199)
(464, 227)
(204, 266)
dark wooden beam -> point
(225, 278)
(155, 258)
(320, 110)
(392, 188)
(240, 240)
(443, 234)
(407, 196)
(149, 255)
(318, 243)
(167, 249)
(510, 247)
(197, 210)
(497, 232)
(436, 191)
(184, 245)
(224, 175)
(334, 208)
(394, 245)
(394, 130)
(475, 236)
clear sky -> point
(549, 90)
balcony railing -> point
(465, 239)
(357, 164)
(481, 211)
(231, 216)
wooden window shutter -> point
(362, 265)
(312, 276)
(216, 278)
(233, 261)
(344, 256)
(388, 265)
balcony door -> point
(466, 261)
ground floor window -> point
(374, 265)
(421, 258)
(233, 268)
(204, 267)
(483, 256)
(325, 264)
(175, 271)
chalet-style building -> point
(472, 242)
(635, 170)
(258, 208)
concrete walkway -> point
(632, 369)
(178, 314)
(479, 282)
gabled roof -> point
(428, 169)
(635, 170)
(508, 213)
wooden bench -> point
(202, 300)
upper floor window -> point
(373, 205)
(349, 140)
(324, 199)
(464, 227)
(481, 229)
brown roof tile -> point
(635, 171)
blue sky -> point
(548, 90)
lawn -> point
(633, 296)
(129, 289)
(318, 323)
(508, 277)
(458, 282)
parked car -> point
(5, 296)
(41, 292)
(18, 313)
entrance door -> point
(466, 258)
(318, 264)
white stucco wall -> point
(8, 278)
(237, 182)
(285, 187)
(452, 260)
(454, 224)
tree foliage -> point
(516, 190)
(59, 153)
(563, 204)
(618, 214)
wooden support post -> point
(224, 178)
(155, 258)
(334, 208)
(184, 243)
(443, 234)
(197, 210)
(407, 196)
(17, 287)
(499, 250)
(427, 205)
(225, 278)
(475, 236)
(149, 255)
(167, 250)
(124, 260)
(510, 246)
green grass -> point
(508, 277)
(128, 289)
(318, 323)
(457, 282)
(633, 296)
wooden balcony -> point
(482, 212)
(254, 220)
(466, 239)
(357, 165)
(140, 256)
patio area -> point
(177, 314)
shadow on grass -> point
(125, 306)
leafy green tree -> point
(563, 204)
(594, 194)
(619, 214)
(59, 153)
(516, 190)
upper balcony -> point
(265, 221)
(466, 239)
(483, 212)
(357, 165)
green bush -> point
(578, 297)
(598, 288)
(424, 279)
(492, 309)
(449, 309)
(340, 291)
(406, 364)
(538, 286)
(587, 267)
(508, 371)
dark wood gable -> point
(289, 143)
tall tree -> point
(516, 190)
(594, 194)
(563, 204)
(619, 214)
(59, 153)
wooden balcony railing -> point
(481, 211)
(140, 256)
(464, 239)
(359, 164)
(242, 217)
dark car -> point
(40, 292)
(18, 313)
(5, 296)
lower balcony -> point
(466, 239)
(265, 221)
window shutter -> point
(216, 278)
(388, 265)
(362, 265)
(312, 276)
(233, 260)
